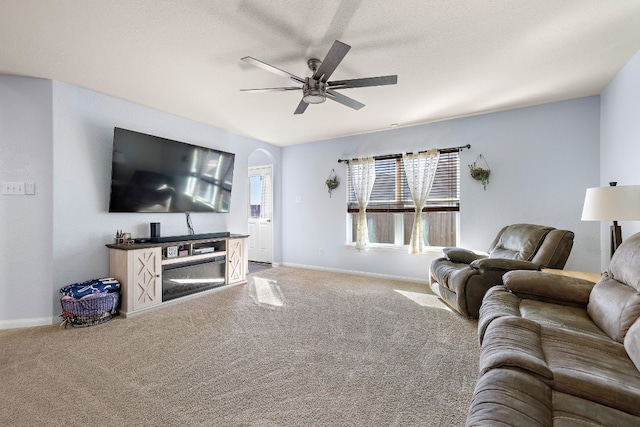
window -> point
(390, 213)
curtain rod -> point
(397, 156)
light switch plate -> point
(13, 188)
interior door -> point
(261, 214)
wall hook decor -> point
(332, 182)
(480, 171)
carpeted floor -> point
(292, 347)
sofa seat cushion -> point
(500, 302)
(592, 368)
(569, 410)
(559, 316)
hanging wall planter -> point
(332, 182)
(480, 171)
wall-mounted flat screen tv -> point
(154, 174)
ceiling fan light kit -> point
(316, 89)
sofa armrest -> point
(462, 255)
(549, 287)
(514, 342)
(503, 264)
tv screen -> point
(153, 174)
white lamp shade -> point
(614, 203)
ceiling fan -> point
(316, 89)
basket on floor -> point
(89, 310)
(90, 303)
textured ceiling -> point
(453, 58)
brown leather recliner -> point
(462, 277)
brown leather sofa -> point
(462, 277)
(561, 351)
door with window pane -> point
(260, 214)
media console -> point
(154, 273)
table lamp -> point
(614, 203)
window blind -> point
(391, 192)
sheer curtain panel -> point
(420, 170)
(363, 175)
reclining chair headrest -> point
(519, 241)
(625, 265)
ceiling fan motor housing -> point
(314, 91)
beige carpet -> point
(292, 347)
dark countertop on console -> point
(149, 244)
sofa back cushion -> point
(518, 241)
(614, 307)
(555, 249)
(632, 343)
(624, 266)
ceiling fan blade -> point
(331, 61)
(301, 107)
(365, 82)
(271, 89)
(344, 100)
(272, 69)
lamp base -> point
(616, 236)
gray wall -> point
(26, 222)
(60, 137)
(620, 140)
(542, 159)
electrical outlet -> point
(29, 188)
(13, 188)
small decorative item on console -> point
(123, 238)
(172, 251)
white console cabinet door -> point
(140, 274)
(236, 261)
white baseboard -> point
(29, 323)
(359, 273)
